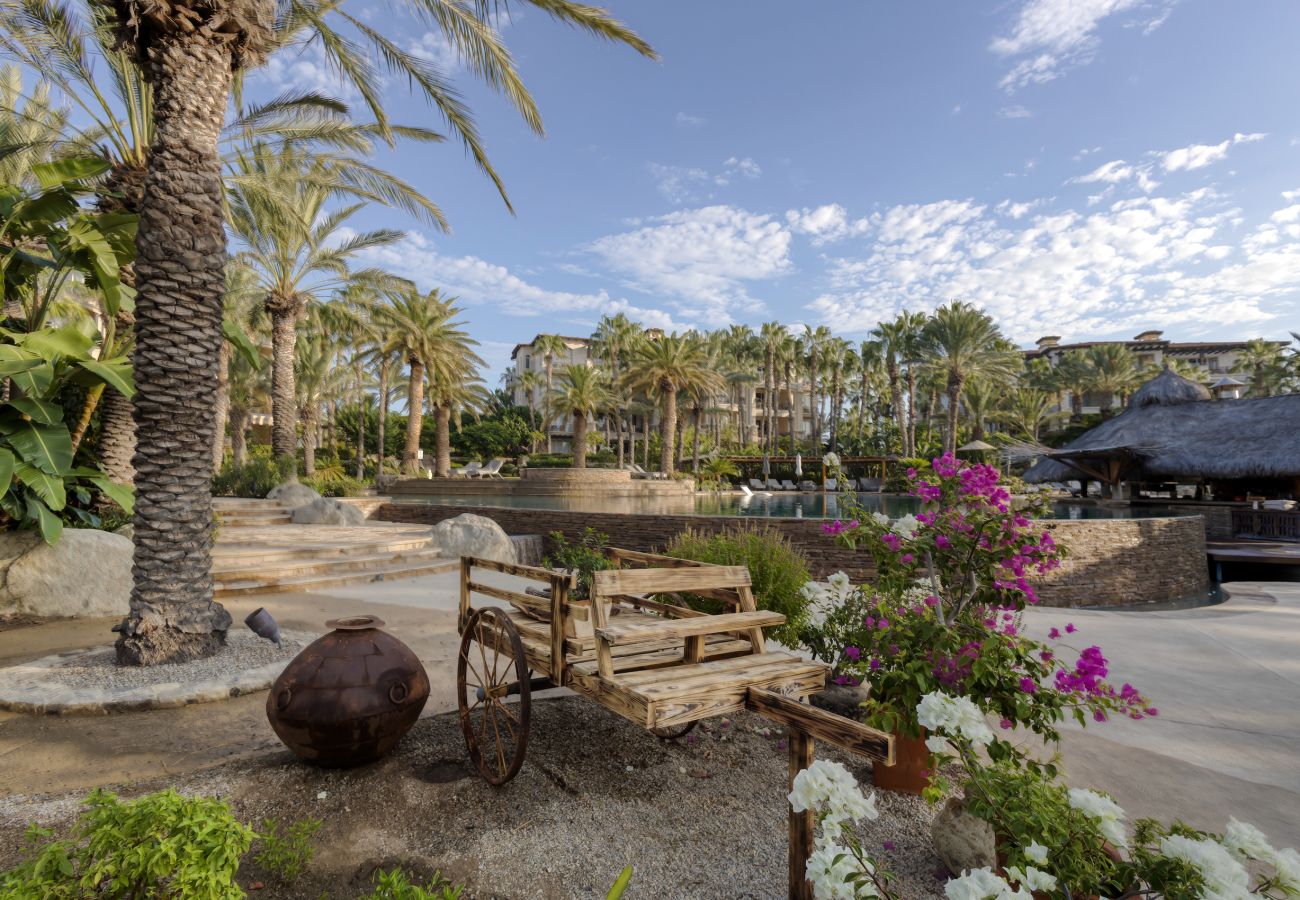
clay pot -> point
(910, 773)
(347, 698)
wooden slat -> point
(739, 672)
(801, 823)
(822, 725)
(723, 702)
(683, 628)
(559, 601)
(656, 560)
(667, 609)
(530, 572)
(497, 593)
(660, 581)
(633, 658)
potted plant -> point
(945, 615)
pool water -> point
(774, 505)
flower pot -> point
(910, 773)
(349, 696)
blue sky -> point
(1087, 168)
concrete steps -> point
(234, 513)
(274, 584)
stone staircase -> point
(258, 551)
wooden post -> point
(801, 823)
(559, 609)
(465, 565)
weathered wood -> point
(487, 590)
(463, 615)
(694, 651)
(683, 628)
(691, 707)
(532, 573)
(822, 725)
(801, 823)
(661, 581)
(559, 600)
(747, 604)
(667, 609)
(651, 560)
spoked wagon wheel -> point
(491, 667)
(673, 732)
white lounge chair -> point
(466, 470)
(788, 485)
(491, 470)
(773, 484)
(757, 484)
(744, 489)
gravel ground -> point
(702, 818)
(244, 650)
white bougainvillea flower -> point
(982, 884)
(1245, 841)
(1286, 866)
(906, 526)
(1108, 813)
(1032, 879)
(937, 745)
(1036, 852)
(1224, 876)
(829, 869)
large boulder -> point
(86, 574)
(470, 535)
(962, 841)
(325, 511)
(292, 494)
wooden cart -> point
(634, 649)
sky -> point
(1081, 168)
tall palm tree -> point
(963, 341)
(31, 126)
(529, 382)
(1029, 410)
(614, 339)
(811, 344)
(454, 389)
(891, 338)
(871, 360)
(1074, 369)
(1264, 365)
(190, 54)
(774, 338)
(1113, 371)
(550, 347)
(581, 392)
(661, 368)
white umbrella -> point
(767, 466)
(798, 464)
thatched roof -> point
(1167, 389)
(1219, 439)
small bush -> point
(254, 478)
(777, 571)
(289, 853)
(586, 557)
(394, 884)
(160, 845)
(897, 482)
(336, 485)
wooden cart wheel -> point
(673, 732)
(491, 667)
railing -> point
(1273, 524)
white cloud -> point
(1198, 156)
(825, 223)
(683, 184)
(956, 109)
(1136, 262)
(1054, 36)
(686, 120)
(701, 258)
(1015, 112)
(746, 168)
(302, 68)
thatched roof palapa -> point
(1173, 430)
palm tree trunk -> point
(618, 430)
(221, 407)
(579, 440)
(911, 411)
(383, 415)
(180, 283)
(668, 431)
(442, 442)
(631, 434)
(284, 410)
(695, 442)
(310, 432)
(547, 423)
(414, 418)
(361, 436)
(239, 418)
(955, 383)
(117, 436)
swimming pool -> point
(770, 506)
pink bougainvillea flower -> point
(1006, 724)
(1028, 686)
(1054, 634)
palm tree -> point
(31, 127)
(1073, 369)
(963, 341)
(316, 376)
(454, 389)
(812, 343)
(891, 338)
(1029, 410)
(581, 392)
(614, 339)
(550, 347)
(529, 381)
(191, 54)
(1112, 372)
(1264, 365)
(661, 368)
(242, 315)
(871, 359)
(774, 338)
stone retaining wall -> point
(1117, 562)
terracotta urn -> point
(910, 773)
(348, 697)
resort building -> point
(1215, 360)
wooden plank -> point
(747, 604)
(462, 616)
(683, 628)
(735, 664)
(510, 596)
(801, 823)
(702, 704)
(726, 674)
(559, 600)
(656, 656)
(694, 651)
(667, 609)
(659, 581)
(530, 572)
(656, 560)
(822, 725)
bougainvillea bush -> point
(945, 614)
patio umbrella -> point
(798, 464)
(767, 467)
(976, 446)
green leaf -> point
(7, 464)
(54, 174)
(67, 340)
(47, 447)
(36, 381)
(116, 373)
(121, 494)
(40, 411)
(242, 342)
(624, 879)
(51, 527)
(15, 359)
(49, 488)
(51, 207)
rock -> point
(325, 511)
(292, 494)
(843, 699)
(127, 531)
(470, 535)
(86, 574)
(962, 841)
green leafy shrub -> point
(394, 884)
(254, 478)
(586, 557)
(897, 481)
(161, 845)
(336, 485)
(777, 571)
(289, 853)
